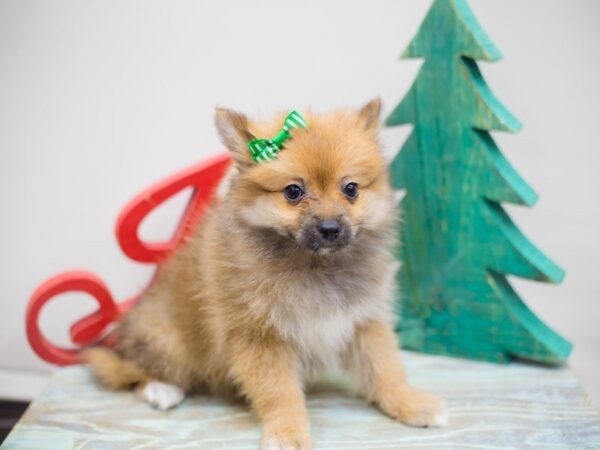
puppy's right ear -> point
(233, 130)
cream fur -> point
(255, 305)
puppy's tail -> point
(111, 370)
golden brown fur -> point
(255, 304)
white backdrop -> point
(100, 99)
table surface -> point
(491, 406)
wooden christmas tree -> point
(458, 243)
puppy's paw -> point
(416, 408)
(286, 441)
(162, 396)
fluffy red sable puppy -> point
(289, 273)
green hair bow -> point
(263, 150)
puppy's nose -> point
(329, 229)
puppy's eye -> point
(350, 190)
(293, 192)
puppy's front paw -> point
(286, 441)
(416, 407)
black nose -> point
(329, 229)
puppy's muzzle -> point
(325, 235)
(329, 230)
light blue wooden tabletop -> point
(491, 406)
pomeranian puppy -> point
(289, 273)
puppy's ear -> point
(233, 130)
(369, 114)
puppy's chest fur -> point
(320, 309)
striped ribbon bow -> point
(263, 150)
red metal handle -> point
(77, 281)
(204, 178)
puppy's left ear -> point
(369, 114)
(233, 130)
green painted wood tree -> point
(458, 243)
